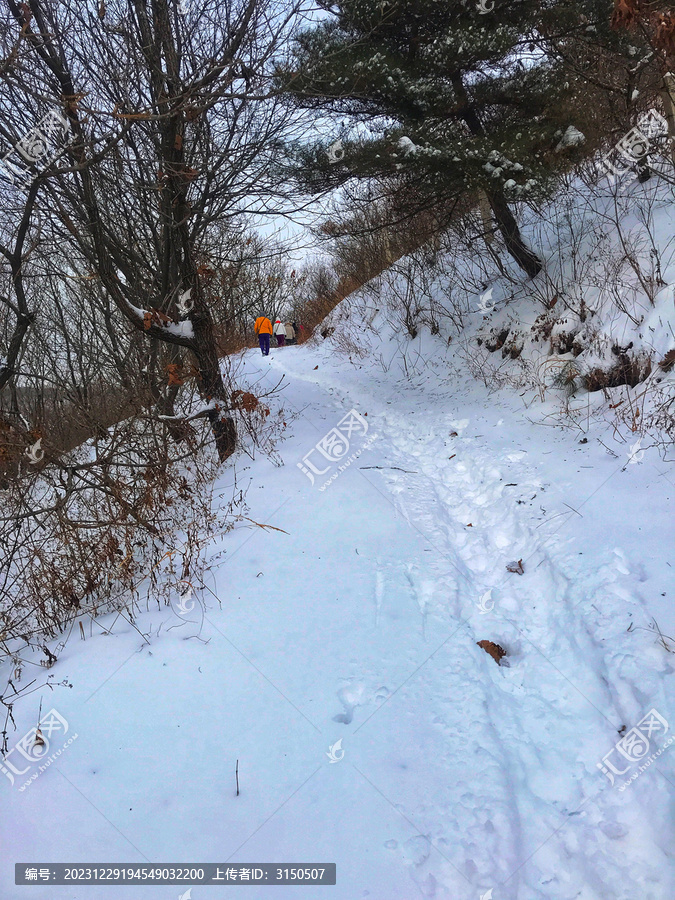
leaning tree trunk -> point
(508, 228)
(222, 425)
(211, 384)
(526, 259)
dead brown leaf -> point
(495, 651)
(668, 361)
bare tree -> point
(173, 132)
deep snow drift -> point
(342, 670)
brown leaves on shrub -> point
(155, 317)
(13, 443)
(205, 271)
(664, 34)
(626, 13)
(178, 373)
(175, 376)
(244, 400)
(668, 361)
(516, 567)
(495, 651)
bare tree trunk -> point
(212, 387)
(506, 222)
(508, 227)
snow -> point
(359, 625)
(406, 145)
(182, 329)
(336, 657)
(571, 138)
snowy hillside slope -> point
(599, 316)
(337, 659)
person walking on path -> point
(263, 328)
(280, 331)
(290, 333)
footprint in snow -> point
(350, 697)
(416, 850)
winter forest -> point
(337, 410)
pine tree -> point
(457, 99)
(654, 24)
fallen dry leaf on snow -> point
(495, 651)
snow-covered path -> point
(527, 736)
(454, 776)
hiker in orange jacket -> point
(263, 328)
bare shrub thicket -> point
(607, 264)
(365, 235)
(316, 294)
(81, 535)
(90, 531)
(126, 267)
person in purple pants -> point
(280, 332)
